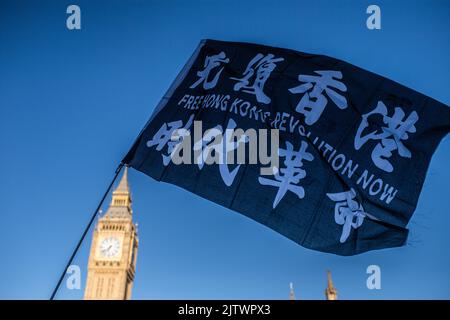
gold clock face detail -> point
(109, 247)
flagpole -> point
(86, 230)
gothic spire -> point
(123, 184)
(291, 291)
(330, 291)
(121, 198)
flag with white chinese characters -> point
(353, 147)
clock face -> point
(110, 247)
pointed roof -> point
(291, 291)
(329, 280)
(330, 291)
(123, 184)
(120, 206)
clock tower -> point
(112, 260)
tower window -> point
(119, 202)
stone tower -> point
(330, 291)
(291, 291)
(112, 259)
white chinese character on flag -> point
(287, 179)
(172, 135)
(216, 141)
(391, 135)
(348, 212)
(211, 62)
(259, 69)
(313, 103)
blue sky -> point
(72, 102)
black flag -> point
(353, 147)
